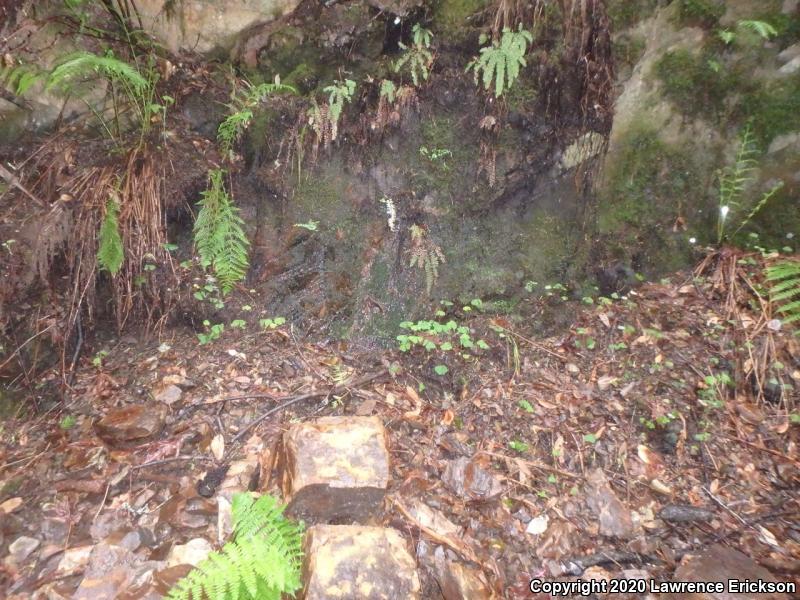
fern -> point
(733, 182)
(110, 251)
(417, 58)
(426, 255)
(388, 90)
(82, 64)
(501, 62)
(784, 278)
(339, 94)
(218, 235)
(262, 562)
(21, 78)
(761, 28)
(242, 108)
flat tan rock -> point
(352, 561)
(335, 468)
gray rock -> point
(22, 548)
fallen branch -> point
(13, 181)
(295, 399)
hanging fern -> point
(218, 235)
(340, 93)
(426, 255)
(110, 252)
(242, 108)
(784, 278)
(417, 58)
(501, 62)
(262, 562)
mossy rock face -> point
(627, 13)
(452, 19)
(700, 13)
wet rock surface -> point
(371, 563)
(131, 423)
(335, 468)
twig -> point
(762, 448)
(295, 399)
(153, 463)
(14, 181)
(725, 506)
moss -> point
(451, 18)
(700, 13)
(696, 83)
(626, 13)
(628, 49)
(772, 109)
(522, 95)
(646, 182)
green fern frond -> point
(82, 64)
(784, 279)
(502, 62)
(242, 107)
(219, 236)
(262, 562)
(761, 28)
(110, 252)
(21, 78)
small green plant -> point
(784, 281)
(426, 255)
(209, 292)
(713, 393)
(430, 335)
(733, 183)
(238, 324)
(68, 422)
(110, 251)
(417, 59)
(269, 324)
(436, 154)
(308, 226)
(218, 234)
(213, 332)
(590, 438)
(388, 90)
(242, 105)
(518, 446)
(262, 561)
(97, 359)
(441, 370)
(501, 62)
(339, 94)
(762, 29)
(526, 406)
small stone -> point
(10, 505)
(370, 563)
(467, 479)
(74, 560)
(573, 368)
(335, 468)
(168, 394)
(719, 563)
(685, 514)
(615, 519)
(457, 581)
(131, 423)
(192, 553)
(22, 548)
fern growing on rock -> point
(242, 107)
(110, 251)
(426, 255)
(784, 279)
(261, 562)
(417, 58)
(219, 237)
(501, 62)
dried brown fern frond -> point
(426, 255)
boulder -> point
(206, 25)
(371, 563)
(335, 468)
